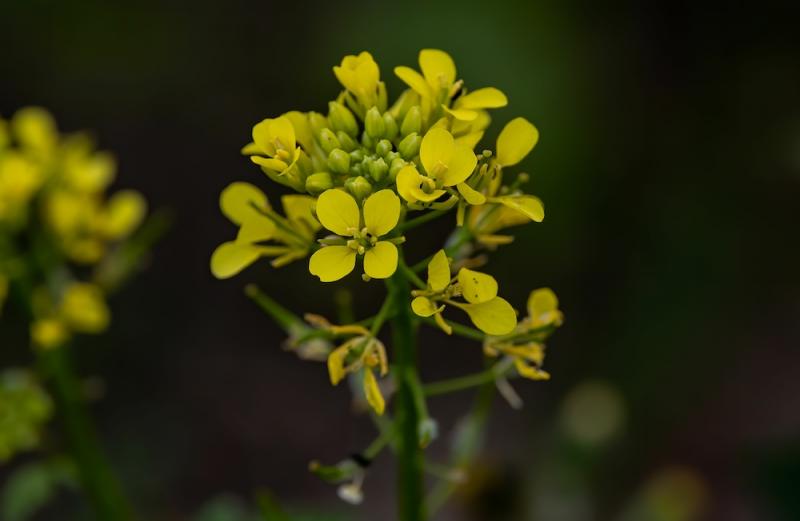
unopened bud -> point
(412, 122)
(318, 183)
(391, 126)
(409, 146)
(378, 169)
(348, 143)
(339, 161)
(342, 119)
(356, 156)
(374, 124)
(395, 167)
(317, 122)
(328, 141)
(383, 147)
(358, 187)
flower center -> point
(362, 241)
(439, 170)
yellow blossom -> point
(359, 233)
(291, 237)
(360, 75)
(491, 314)
(361, 353)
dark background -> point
(670, 166)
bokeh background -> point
(670, 166)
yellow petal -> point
(380, 261)
(530, 372)
(527, 205)
(84, 308)
(126, 210)
(461, 114)
(439, 271)
(471, 195)
(476, 287)
(338, 212)
(436, 150)
(470, 140)
(381, 212)
(425, 307)
(34, 127)
(437, 67)
(541, 301)
(300, 208)
(409, 186)
(256, 229)
(373, 393)
(414, 80)
(486, 98)
(518, 138)
(268, 162)
(241, 201)
(494, 317)
(461, 165)
(275, 134)
(232, 257)
(331, 263)
(302, 128)
(336, 360)
(251, 149)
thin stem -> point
(410, 275)
(457, 239)
(282, 316)
(469, 381)
(97, 477)
(422, 219)
(380, 443)
(381, 317)
(459, 329)
(409, 454)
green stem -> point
(422, 219)
(459, 329)
(97, 477)
(409, 454)
(467, 382)
(285, 319)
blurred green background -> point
(669, 164)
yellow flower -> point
(528, 357)
(277, 140)
(543, 309)
(84, 309)
(35, 130)
(446, 163)
(359, 234)
(20, 178)
(361, 76)
(248, 207)
(491, 314)
(49, 333)
(435, 84)
(471, 106)
(361, 353)
(516, 140)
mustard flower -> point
(359, 232)
(363, 353)
(490, 313)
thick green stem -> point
(96, 475)
(409, 454)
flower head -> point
(358, 233)
(361, 77)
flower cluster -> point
(366, 174)
(56, 222)
(25, 407)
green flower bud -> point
(342, 119)
(391, 156)
(374, 123)
(318, 183)
(412, 122)
(357, 156)
(357, 169)
(409, 146)
(391, 126)
(328, 141)
(348, 143)
(383, 147)
(317, 122)
(358, 187)
(395, 166)
(378, 169)
(367, 142)
(339, 161)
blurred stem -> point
(409, 454)
(422, 219)
(459, 329)
(467, 444)
(498, 370)
(282, 316)
(97, 477)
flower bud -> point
(367, 142)
(391, 126)
(373, 122)
(412, 122)
(348, 143)
(357, 156)
(395, 166)
(383, 147)
(391, 156)
(342, 119)
(328, 141)
(427, 430)
(409, 146)
(317, 122)
(358, 187)
(378, 169)
(339, 161)
(318, 183)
